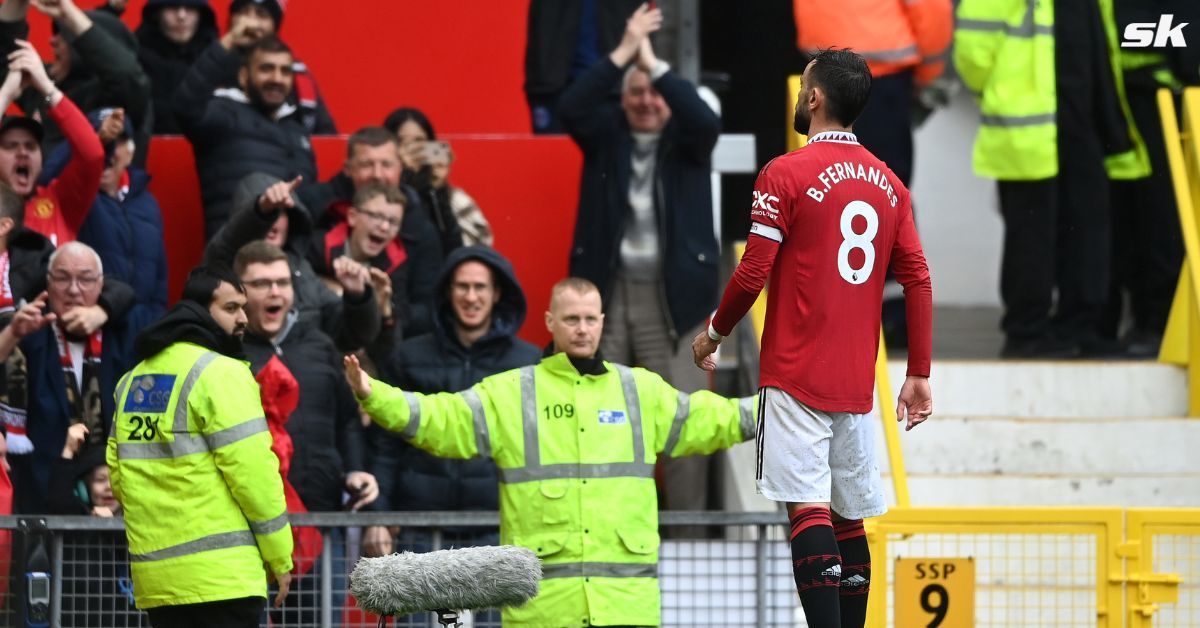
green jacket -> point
(1004, 52)
(575, 456)
(190, 461)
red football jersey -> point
(827, 222)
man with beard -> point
(71, 372)
(827, 222)
(189, 437)
(325, 427)
(235, 132)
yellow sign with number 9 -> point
(935, 592)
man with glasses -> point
(325, 427)
(372, 236)
(71, 373)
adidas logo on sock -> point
(835, 570)
(855, 581)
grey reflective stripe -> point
(483, 440)
(533, 457)
(183, 445)
(940, 57)
(119, 394)
(180, 426)
(574, 471)
(270, 525)
(1015, 121)
(414, 416)
(1025, 29)
(682, 408)
(231, 435)
(212, 542)
(633, 407)
(600, 570)
(748, 419)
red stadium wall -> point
(527, 186)
(462, 63)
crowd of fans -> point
(388, 259)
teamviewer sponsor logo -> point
(1164, 34)
(764, 206)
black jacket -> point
(410, 479)
(413, 285)
(553, 31)
(166, 62)
(325, 427)
(232, 139)
(352, 322)
(104, 73)
(683, 189)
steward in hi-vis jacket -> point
(574, 439)
(190, 461)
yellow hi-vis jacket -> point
(1004, 53)
(575, 457)
(190, 461)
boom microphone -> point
(459, 579)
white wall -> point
(956, 211)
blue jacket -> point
(683, 190)
(128, 235)
(49, 414)
(410, 479)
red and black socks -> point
(817, 566)
(856, 571)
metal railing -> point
(1103, 567)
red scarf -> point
(83, 396)
(6, 295)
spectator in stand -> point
(372, 237)
(235, 132)
(414, 131)
(466, 212)
(263, 18)
(266, 208)
(480, 309)
(325, 427)
(71, 375)
(95, 63)
(644, 232)
(172, 35)
(564, 39)
(372, 159)
(58, 209)
(95, 563)
(124, 224)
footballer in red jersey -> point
(828, 222)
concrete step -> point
(1067, 389)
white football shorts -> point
(806, 455)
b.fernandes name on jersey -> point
(848, 170)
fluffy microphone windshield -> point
(457, 579)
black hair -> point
(203, 281)
(397, 118)
(12, 206)
(267, 45)
(846, 80)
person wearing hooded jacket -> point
(172, 35)
(191, 570)
(480, 306)
(95, 65)
(351, 320)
